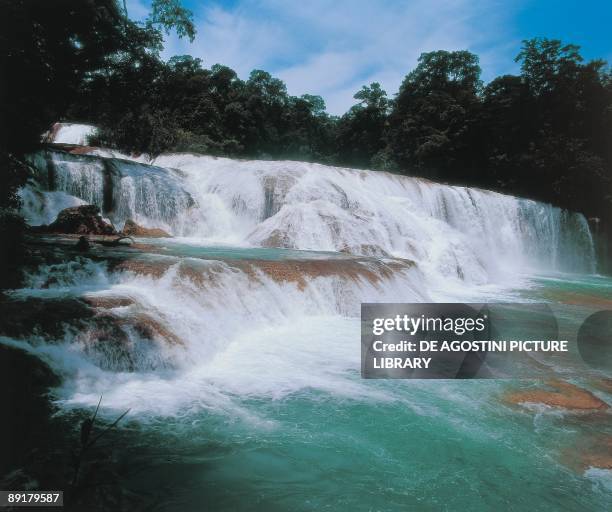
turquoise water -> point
(188, 248)
(434, 446)
(279, 419)
(205, 251)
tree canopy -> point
(543, 133)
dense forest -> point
(544, 133)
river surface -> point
(263, 408)
(235, 345)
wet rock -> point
(148, 267)
(116, 242)
(365, 250)
(588, 451)
(48, 317)
(133, 229)
(605, 384)
(107, 301)
(278, 238)
(152, 329)
(126, 341)
(80, 220)
(562, 395)
(83, 244)
(298, 272)
(107, 326)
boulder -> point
(80, 220)
(133, 229)
(24, 318)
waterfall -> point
(451, 232)
(236, 343)
(122, 189)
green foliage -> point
(47, 49)
(544, 62)
(360, 132)
(540, 134)
(430, 125)
(170, 14)
(54, 52)
(544, 133)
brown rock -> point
(144, 324)
(133, 229)
(300, 271)
(563, 395)
(80, 220)
(107, 301)
(155, 268)
(23, 318)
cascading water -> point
(243, 331)
(122, 189)
(458, 232)
(388, 237)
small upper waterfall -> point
(451, 232)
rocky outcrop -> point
(593, 450)
(111, 329)
(35, 316)
(560, 394)
(133, 229)
(80, 220)
(298, 272)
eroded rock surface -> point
(133, 229)
(80, 220)
(559, 394)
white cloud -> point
(332, 48)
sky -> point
(333, 47)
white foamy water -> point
(459, 233)
(251, 329)
(244, 329)
(196, 334)
(70, 133)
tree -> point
(308, 132)
(265, 98)
(360, 131)
(544, 61)
(170, 14)
(432, 118)
(51, 51)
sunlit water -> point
(261, 405)
(265, 408)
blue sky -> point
(333, 47)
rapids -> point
(235, 344)
(458, 233)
